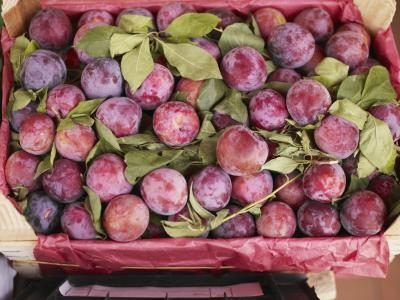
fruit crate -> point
(19, 242)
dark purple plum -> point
(18, 116)
(222, 121)
(382, 185)
(226, 15)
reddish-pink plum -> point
(106, 177)
(349, 47)
(189, 90)
(277, 220)
(306, 100)
(102, 78)
(170, 12)
(62, 99)
(268, 110)
(155, 90)
(18, 116)
(139, 11)
(221, 121)
(51, 28)
(240, 226)
(365, 67)
(318, 219)
(390, 114)
(209, 46)
(77, 222)
(226, 15)
(43, 68)
(267, 19)
(126, 218)
(324, 182)
(75, 143)
(244, 69)
(212, 188)
(176, 123)
(251, 188)
(382, 185)
(240, 151)
(317, 21)
(121, 115)
(290, 45)
(292, 194)
(357, 28)
(20, 171)
(165, 191)
(96, 16)
(309, 68)
(284, 75)
(36, 133)
(337, 136)
(63, 182)
(363, 214)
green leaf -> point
(191, 61)
(42, 95)
(207, 128)
(102, 146)
(254, 26)
(66, 123)
(331, 71)
(364, 167)
(21, 49)
(137, 64)
(255, 211)
(20, 193)
(233, 106)
(277, 137)
(349, 111)
(121, 43)
(394, 211)
(351, 88)
(138, 139)
(357, 184)
(270, 67)
(219, 218)
(192, 25)
(211, 91)
(201, 211)
(93, 205)
(106, 134)
(136, 23)
(376, 142)
(188, 159)
(281, 87)
(207, 150)
(47, 163)
(83, 120)
(388, 168)
(141, 162)
(22, 98)
(239, 34)
(87, 107)
(183, 229)
(282, 165)
(96, 41)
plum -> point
(212, 188)
(290, 45)
(308, 69)
(76, 221)
(63, 182)
(189, 89)
(363, 214)
(318, 219)
(96, 16)
(154, 231)
(349, 47)
(165, 191)
(365, 67)
(170, 12)
(184, 213)
(18, 116)
(121, 115)
(268, 110)
(277, 220)
(244, 69)
(240, 226)
(209, 46)
(226, 15)
(251, 188)
(306, 100)
(317, 21)
(176, 123)
(126, 218)
(43, 68)
(43, 213)
(324, 182)
(390, 114)
(357, 28)
(20, 171)
(134, 11)
(349, 165)
(292, 194)
(337, 136)
(267, 19)
(106, 177)
(240, 151)
(155, 90)
(102, 78)
(51, 28)
(221, 121)
(382, 185)
(284, 75)
(62, 99)
(83, 57)
(36, 133)
(75, 143)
